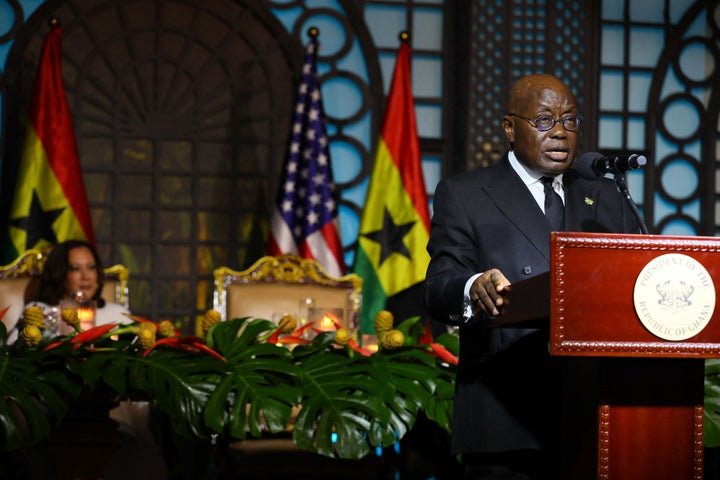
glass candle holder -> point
(86, 310)
(86, 313)
(52, 320)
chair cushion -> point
(12, 294)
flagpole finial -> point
(313, 32)
(53, 22)
(404, 36)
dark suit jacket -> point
(504, 398)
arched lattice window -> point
(181, 111)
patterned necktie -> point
(554, 208)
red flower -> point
(443, 353)
(198, 343)
(426, 338)
(437, 349)
(91, 334)
(289, 339)
(186, 343)
(275, 337)
(353, 344)
(139, 319)
(53, 345)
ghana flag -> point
(49, 203)
(394, 230)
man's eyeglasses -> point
(546, 122)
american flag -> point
(305, 221)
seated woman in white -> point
(73, 269)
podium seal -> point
(674, 297)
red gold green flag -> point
(394, 230)
(49, 203)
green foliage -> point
(339, 400)
(179, 383)
(34, 394)
(341, 395)
(259, 384)
(712, 403)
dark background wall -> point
(182, 109)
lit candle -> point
(370, 342)
(327, 323)
(86, 315)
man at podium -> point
(491, 228)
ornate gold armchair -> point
(115, 286)
(18, 279)
(287, 284)
(272, 287)
(14, 280)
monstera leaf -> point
(35, 394)
(712, 403)
(179, 382)
(412, 374)
(259, 386)
(236, 382)
(423, 374)
(439, 407)
(342, 398)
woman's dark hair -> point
(55, 270)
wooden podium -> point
(635, 317)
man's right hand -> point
(486, 292)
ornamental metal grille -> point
(659, 97)
(181, 112)
(512, 39)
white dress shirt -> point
(531, 179)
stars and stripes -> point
(305, 221)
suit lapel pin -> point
(589, 201)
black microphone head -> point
(585, 165)
(640, 161)
(625, 163)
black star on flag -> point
(38, 223)
(390, 237)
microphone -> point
(593, 165)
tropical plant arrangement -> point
(712, 403)
(240, 380)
